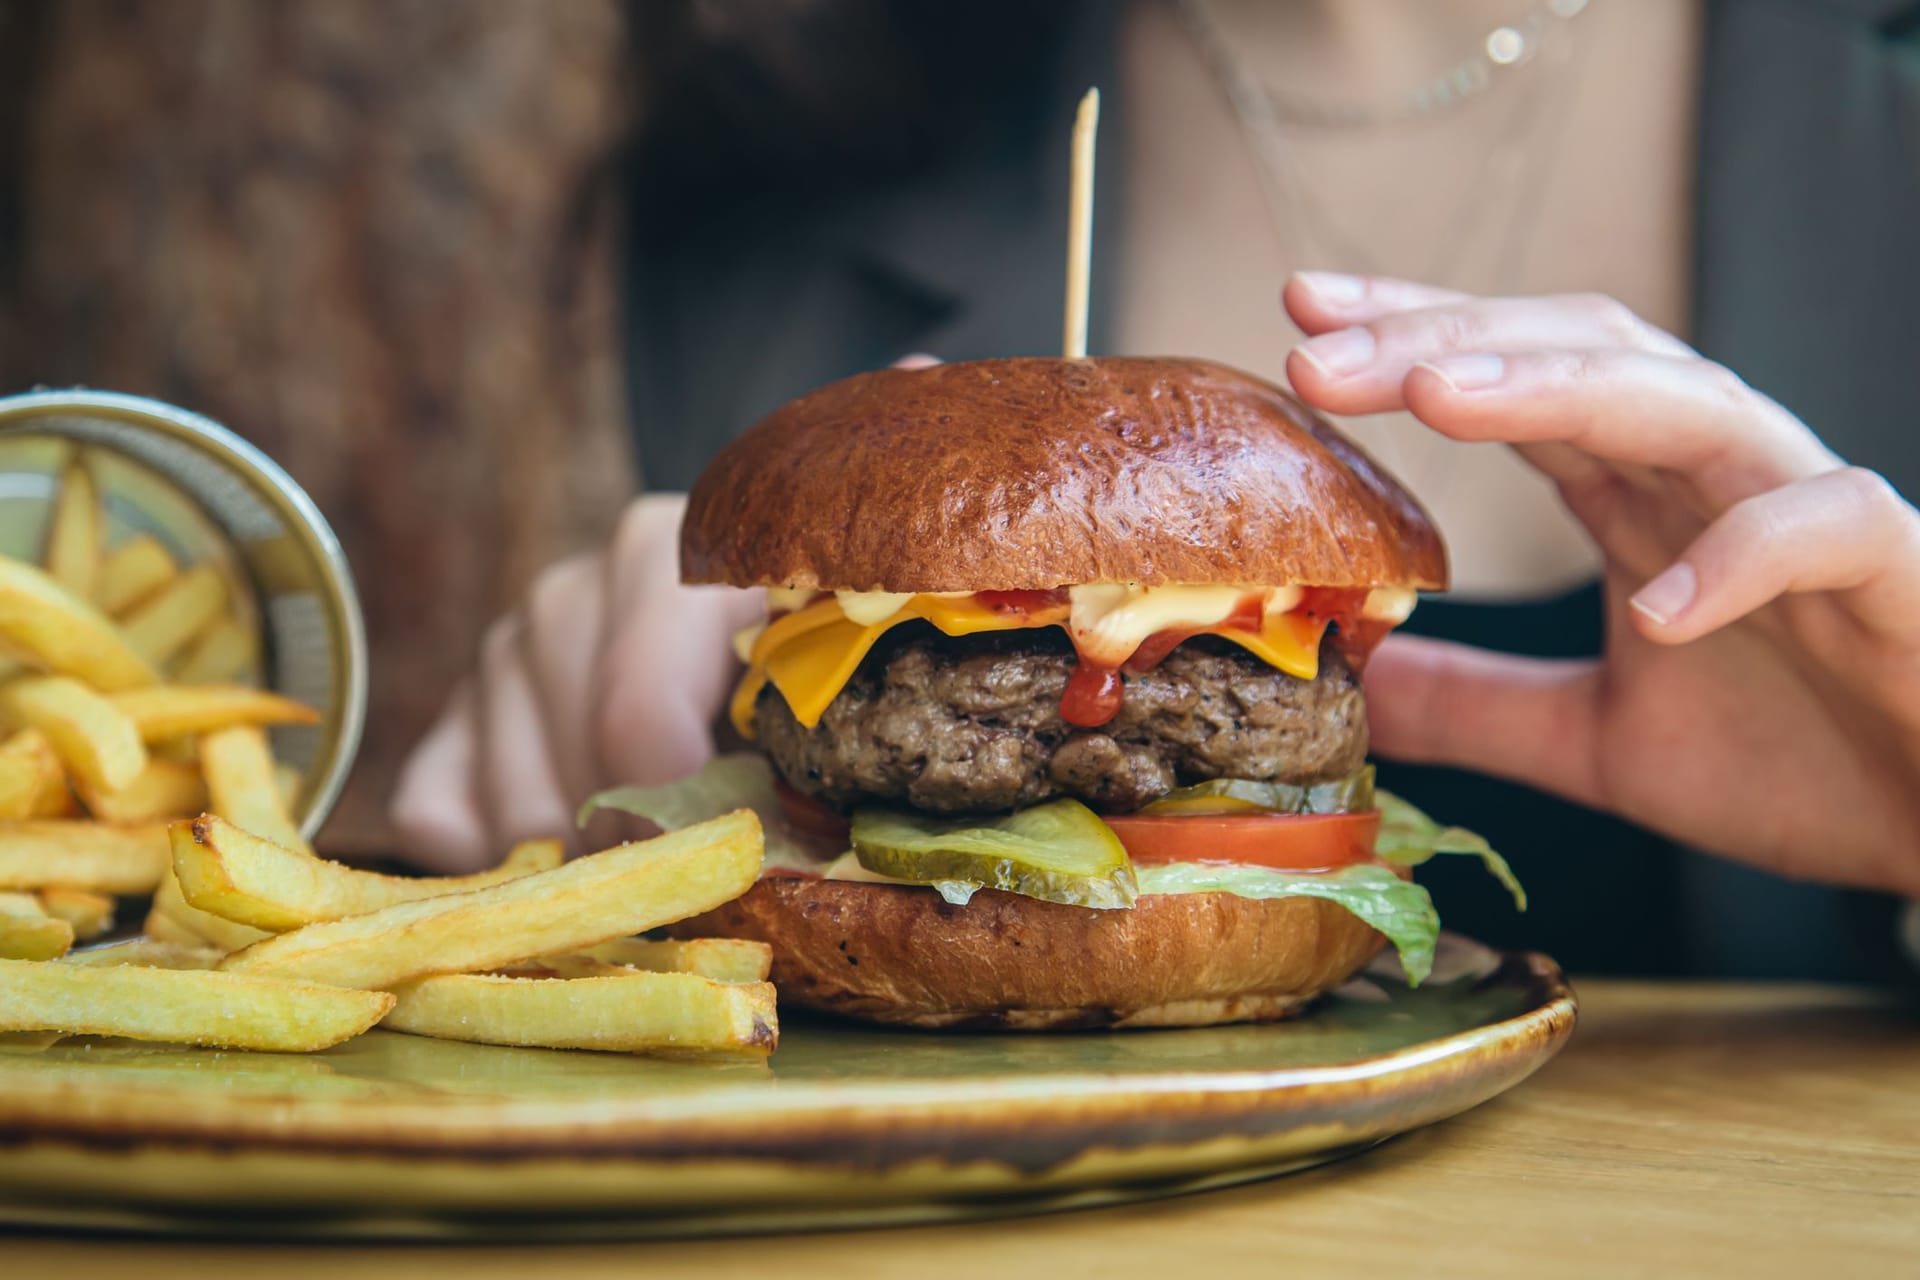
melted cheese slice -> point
(810, 654)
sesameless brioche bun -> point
(1031, 474)
(900, 955)
(1035, 474)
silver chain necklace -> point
(1499, 51)
(1321, 240)
(1292, 204)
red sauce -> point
(1094, 691)
(1356, 634)
(1092, 696)
(1248, 615)
(1153, 651)
(1021, 601)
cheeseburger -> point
(1060, 690)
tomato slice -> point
(1289, 842)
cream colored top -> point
(1572, 172)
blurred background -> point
(374, 238)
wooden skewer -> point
(1086, 123)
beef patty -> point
(972, 724)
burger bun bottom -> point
(905, 956)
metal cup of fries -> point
(176, 625)
(215, 564)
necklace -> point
(1499, 51)
(1506, 181)
(1293, 204)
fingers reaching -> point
(1844, 531)
(1360, 368)
(613, 672)
(1322, 300)
(1627, 407)
(565, 617)
(514, 776)
(669, 658)
(1528, 719)
(434, 807)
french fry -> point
(625, 890)
(164, 624)
(32, 781)
(178, 750)
(535, 855)
(133, 571)
(150, 953)
(575, 965)
(227, 650)
(57, 802)
(177, 710)
(167, 930)
(94, 739)
(173, 919)
(240, 786)
(90, 913)
(165, 789)
(50, 626)
(82, 855)
(75, 530)
(722, 959)
(238, 876)
(19, 787)
(287, 782)
(183, 1006)
(633, 1012)
(27, 932)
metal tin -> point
(208, 494)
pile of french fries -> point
(118, 780)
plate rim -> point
(509, 1131)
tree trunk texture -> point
(375, 238)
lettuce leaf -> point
(1398, 908)
(743, 780)
(1409, 837)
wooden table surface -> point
(1687, 1130)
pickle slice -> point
(1351, 794)
(1057, 852)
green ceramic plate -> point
(390, 1136)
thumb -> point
(1531, 720)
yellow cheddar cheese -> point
(811, 653)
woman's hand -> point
(611, 671)
(1760, 690)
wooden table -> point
(1692, 1130)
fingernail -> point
(1466, 373)
(1668, 595)
(1342, 352)
(1330, 286)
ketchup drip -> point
(1092, 696)
(1355, 633)
(1094, 690)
